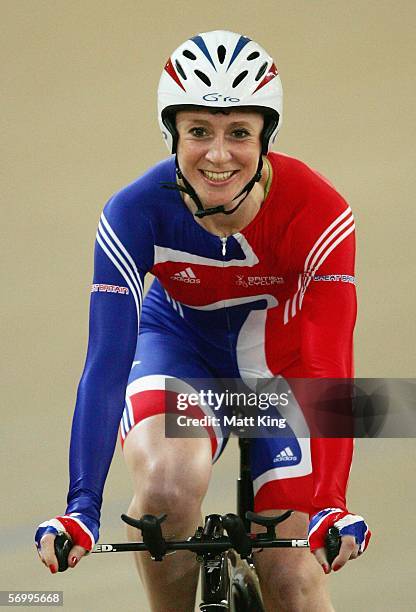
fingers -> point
(348, 551)
(48, 557)
(320, 556)
(47, 552)
(75, 554)
(355, 554)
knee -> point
(290, 582)
(294, 587)
(165, 492)
(165, 485)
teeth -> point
(217, 176)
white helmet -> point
(221, 70)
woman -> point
(253, 254)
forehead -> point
(243, 116)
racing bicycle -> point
(223, 546)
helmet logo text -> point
(217, 97)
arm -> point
(327, 323)
(328, 317)
(116, 299)
(100, 398)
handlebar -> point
(202, 542)
(63, 545)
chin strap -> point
(204, 212)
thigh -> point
(284, 561)
(282, 465)
(282, 474)
(290, 578)
(167, 471)
(166, 369)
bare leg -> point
(291, 580)
(169, 476)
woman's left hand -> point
(353, 531)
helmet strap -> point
(205, 212)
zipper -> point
(224, 245)
(227, 314)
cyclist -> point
(253, 254)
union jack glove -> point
(82, 530)
(347, 524)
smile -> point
(218, 177)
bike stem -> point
(245, 494)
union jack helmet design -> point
(221, 70)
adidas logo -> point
(285, 455)
(186, 276)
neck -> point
(225, 225)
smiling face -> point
(217, 153)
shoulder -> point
(307, 200)
(307, 190)
(316, 216)
(141, 196)
(127, 221)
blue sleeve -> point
(123, 255)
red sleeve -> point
(328, 316)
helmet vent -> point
(253, 55)
(189, 54)
(203, 77)
(180, 70)
(221, 51)
(261, 71)
(240, 78)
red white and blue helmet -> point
(220, 70)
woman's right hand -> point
(81, 530)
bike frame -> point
(222, 574)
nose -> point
(218, 152)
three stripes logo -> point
(186, 276)
(342, 227)
(285, 455)
(123, 261)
